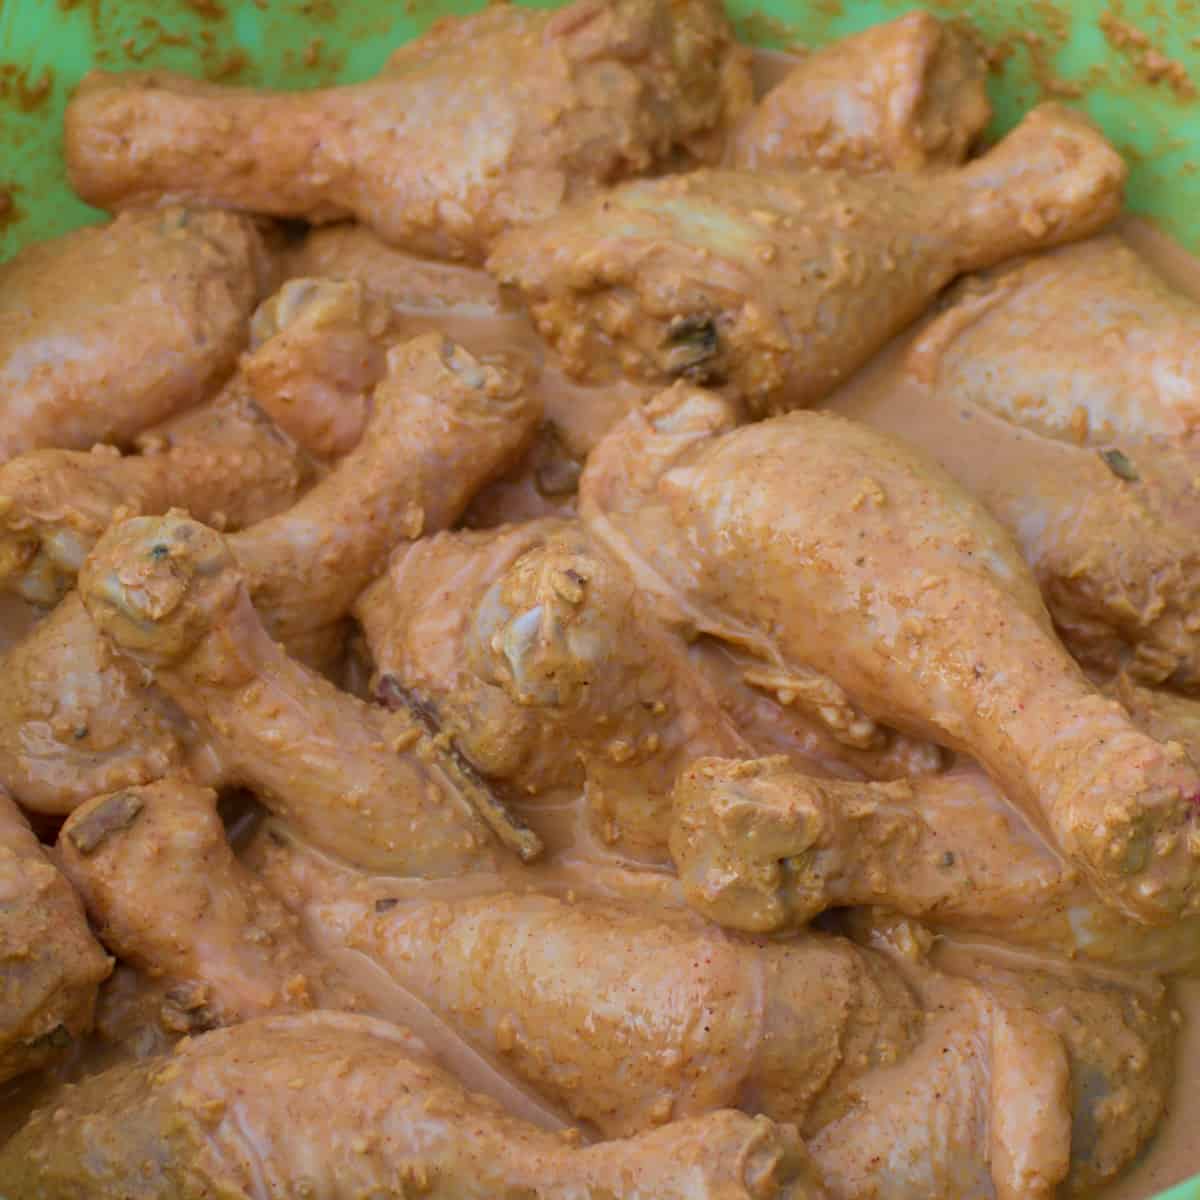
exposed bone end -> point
(156, 585)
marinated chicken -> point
(349, 1106)
(1122, 603)
(544, 706)
(1020, 343)
(224, 462)
(424, 295)
(547, 668)
(50, 965)
(317, 351)
(484, 123)
(442, 423)
(825, 546)
(1112, 380)
(1079, 1074)
(696, 1018)
(443, 762)
(763, 847)
(810, 1031)
(550, 671)
(778, 284)
(224, 945)
(375, 788)
(77, 720)
(109, 330)
(904, 96)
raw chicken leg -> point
(78, 719)
(466, 304)
(781, 284)
(1087, 344)
(534, 648)
(1109, 535)
(907, 95)
(376, 789)
(223, 462)
(50, 965)
(107, 330)
(1121, 1050)
(485, 122)
(547, 669)
(981, 1107)
(317, 350)
(1110, 1044)
(345, 1107)
(818, 543)
(807, 1031)
(166, 894)
(442, 423)
(1058, 392)
(762, 847)
(689, 1018)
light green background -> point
(47, 45)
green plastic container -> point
(1133, 65)
(1088, 48)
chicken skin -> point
(423, 295)
(536, 691)
(548, 988)
(108, 330)
(1088, 344)
(442, 423)
(1121, 1045)
(167, 895)
(317, 351)
(778, 285)
(1086, 411)
(405, 281)
(1122, 603)
(547, 669)
(816, 541)
(923, 1124)
(611, 633)
(808, 1031)
(485, 122)
(763, 847)
(50, 965)
(223, 462)
(77, 719)
(907, 95)
(1068, 1074)
(550, 672)
(371, 787)
(346, 1106)
(840, 1044)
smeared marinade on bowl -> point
(573, 628)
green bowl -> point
(1131, 65)
(1078, 54)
